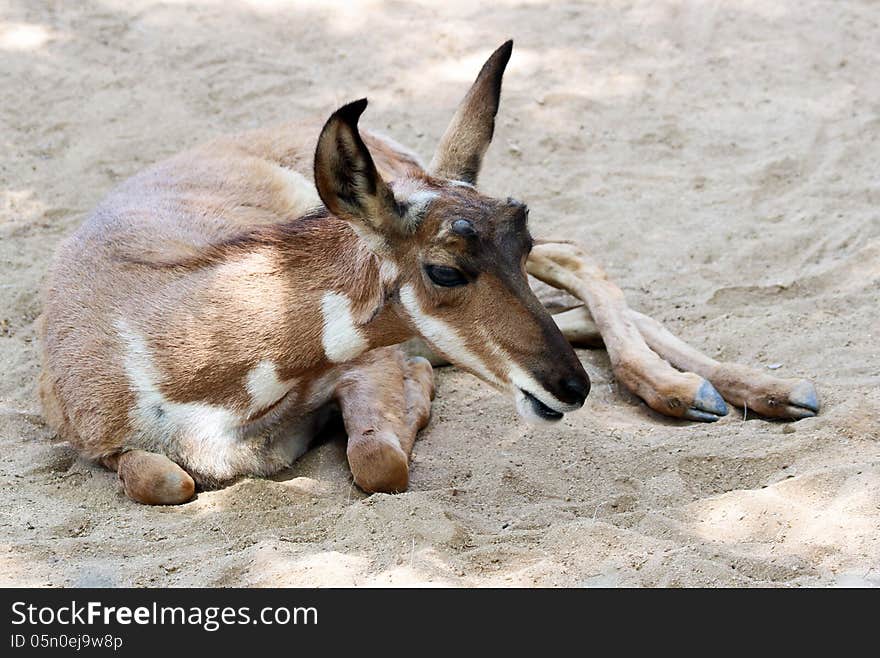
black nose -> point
(577, 389)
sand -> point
(719, 158)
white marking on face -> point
(264, 386)
(520, 381)
(416, 197)
(341, 338)
(419, 201)
(161, 420)
(524, 381)
(444, 337)
(527, 412)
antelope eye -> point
(448, 277)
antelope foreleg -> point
(565, 265)
(385, 399)
(679, 394)
(745, 387)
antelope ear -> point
(345, 175)
(469, 134)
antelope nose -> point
(577, 388)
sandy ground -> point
(721, 160)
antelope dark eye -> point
(448, 277)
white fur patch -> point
(371, 240)
(158, 418)
(388, 272)
(461, 183)
(341, 338)
(417, 198)
(444, 337)
(524, 381)
(264, 386)
(420, 200)
(527, 412)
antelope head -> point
(458, 256)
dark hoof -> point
(803, 401)
(708, 406)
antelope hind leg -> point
(744, 387)
(578, 327)
(666, 390)
(385, 399)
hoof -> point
(760, 394)
(803, 401)
(708, 405)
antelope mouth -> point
(541, 410)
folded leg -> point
(385, 399)
(666, 390)
(744, 387)
(151, 478)
(636, 343)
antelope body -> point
(216, 309)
